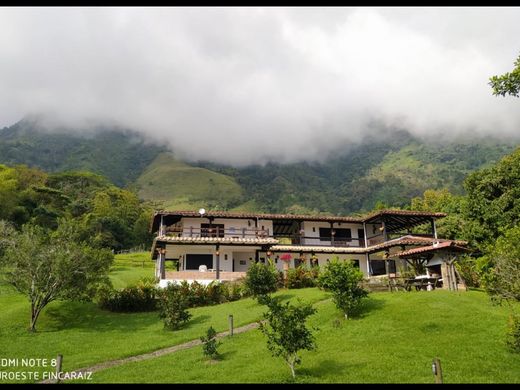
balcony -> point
(298, 239)
(230, 232)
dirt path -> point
(154, 354)
(159, 352)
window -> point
(325, 234)
(340, 235)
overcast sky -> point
(242, 85)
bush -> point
(513, 334)
(300, 277)
(233, 291)
(137, 298)
(173, 305)
(343, 279)
(261, 279)
(210, 343)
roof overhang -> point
(171, 217)
(397, 220)
(448, 246)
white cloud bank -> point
(241, 85)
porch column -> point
(365, 234)
(161, 227)
(160, 271)
(217, 254)
(434, 229)
(331, 233)
(367, 255)
(385, 234)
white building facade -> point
(224, 242)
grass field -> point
(178, 186)
(129, 268)
(86, 335)
(394, 341)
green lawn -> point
(393, 342)
(86, 335)
(129, 268)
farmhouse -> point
(223, 245)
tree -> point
(508, 83)
(51, 266)
(343, 279)
(505, 283)
(210, 343)
(493, 200)
(286, 330)
(261, 279)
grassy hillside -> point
(395, 341)
(87, 335)
(129, 268)
(175, 185)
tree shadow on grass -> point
(326, 369)
(226, 355)
(284, 297)
(197, 320)
(86, 315)
(366, 307)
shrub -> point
(286, 330)
(300, 277)
(210, 343)
(137, 298)
(343, 280)
(261, 279)
(173, 305)
(513, 334)
(233, 291)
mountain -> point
(390, 169)
(119, 154)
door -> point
(194, 261)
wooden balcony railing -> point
(218, 232)
(297, 239)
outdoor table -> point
(420, 283)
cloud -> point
(241, 85)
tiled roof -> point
(317, 249)
(227, 214)
(411, 213)
(452, 245)
(217, 240)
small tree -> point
(343, 279)
(286, 331)
(261, 279)
(210, 344)
(173, 305)
(50, 266)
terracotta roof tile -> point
(453, 245)
(217, 240)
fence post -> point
(437, 370)
(230, 318)
(58, 367)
